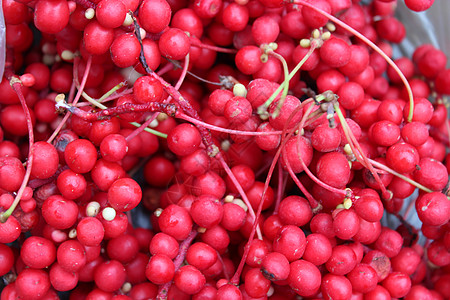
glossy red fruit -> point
(11, 173)
(335, 52)
(110, 13)
(38, 252)
(163, 243)
(90, 231)
(110, 276)
(419, 5)
(343, 259)
(201, 255)
(248, 60)
(189, 279)
(160, 269)
(184, 139)
(45, 161)
(154, 15)
(336, 287)
(174, 44)
(433, 209)
(146, 89)
(124, 194)
(304, 278)
(62, 280)
(397, 284)
(235, 17)
(71, 256)
(402, 157)
(295, 210)
(9, 230)
(275, 266)
(51, 16)
(297, 147)
(80, 155)
(6, 259)
(59, 212)
(313, 18)
(290, 242)
(32, 284)
(256, 285)
(318, 249)
(333, 169)
(206, 211)
(125, 50)
(175, 221)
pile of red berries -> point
(266, 141)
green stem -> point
(149, 130)
(351, 138)
(111, 91)
(289, 77)
(93, 101)
(409, 180)
(286, 72)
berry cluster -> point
(266, 141)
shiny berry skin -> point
(80, 155)
(110, 276)
(124, 194)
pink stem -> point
(141, 128)
(184, 246)
(353, 142)
(237, 274)
(166, 68)
(313, 202)
(17, 85)
(384, 192)
(77, 97)
(197, 43)
(281, 186)
(240, 190)
(219, 257)
(183, 116)
(183, 73)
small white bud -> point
(108, 213)
(240, 203)
(92, 209)
(73, 233)
(67, 55)
(228, 199)
(154, 123)
(239, 90)
(89, 13)
(128, 20)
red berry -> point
(124, 194)
(304, 278)
(154, 15)
(110, 276)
